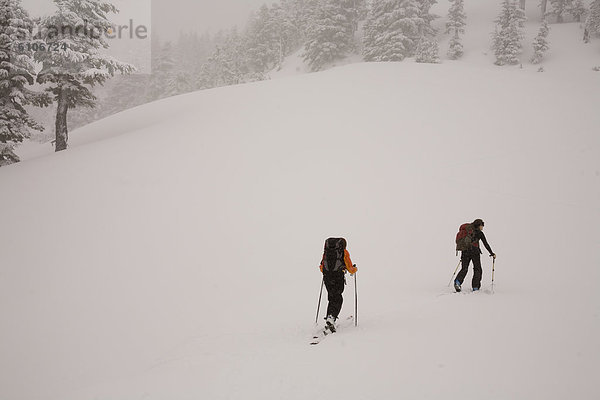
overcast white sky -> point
(169, 17)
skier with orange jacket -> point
(334, 264)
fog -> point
(169, 17)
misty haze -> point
(299, 199)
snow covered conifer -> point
(540, 43)
(7, 154)
(456, 26)
(77, 31)
(360, 9)
(330, 34)
(302, 12)
(427, 52)
(592, 23)
(163, 70)
(559, 8)
(506, 40)
(426, 30)
(455, 49)
(125, 91)
(228, 65)
(17, 71)
(168, 77)
(262, 41)
(392, 30)
(577, 9)
(287, 32)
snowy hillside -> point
(178, 259)
(568, 55)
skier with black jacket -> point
(467, 242)
(334, 264)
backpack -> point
(465, 237)
(333, 257)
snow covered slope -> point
(179, 260)
(568, 55)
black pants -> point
(334, 282)
(465, 259)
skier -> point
(334, 264)
(467, 241)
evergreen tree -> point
(303, 12)
(330, 35)
(263, 41)
(426, 30)
(71, 72)
(287, 33)
(456, 26)
(540, 43)
(7, 154)
(455, 48)
(357, 11)
(559, 7)
(427, 52)
(123, 92)
(163, 68)
(392, 30)
(228, 65)
(577, 10)
(179, 82)
(592, 23)
(169, 75)
(508, 36)
(293, 13)
(271, 36)
(17, 71)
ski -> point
(324, 332)
(485, 290)
(317, 338)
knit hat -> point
(478, 222)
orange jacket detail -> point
(347, 261)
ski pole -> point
(451, 280)
(319, 305)
(493, 271)
(355, 302)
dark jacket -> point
(477, 236)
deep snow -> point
(177, 258)
(180, 260)
(567, 56)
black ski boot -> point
(330, 323)
(457, 286)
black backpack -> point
(333, 259)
